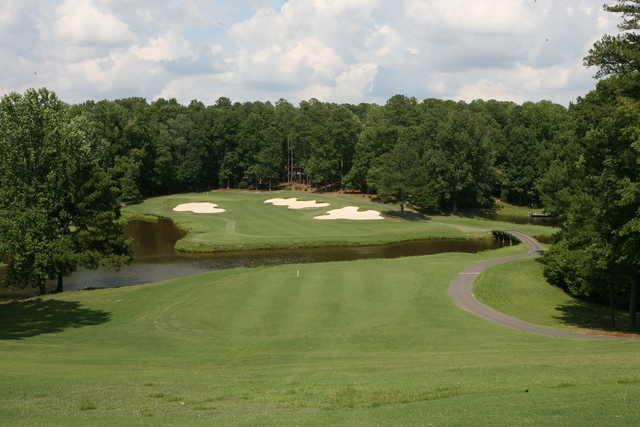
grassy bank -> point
(504, 208)
(520, 290)
(374, 342)
(249, 223)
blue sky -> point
(333, 50)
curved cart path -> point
(461, 292)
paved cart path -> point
(461, 292)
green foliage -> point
(529, 144)
(618, 54)
(58, 207)
(439, 165)
(394, 174)
(167, 148)
(594, 186)
(594, 183)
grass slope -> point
(520, 290)
(249, 223)
(375, 342)
(504, 208)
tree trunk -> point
(42, 287)
(612, 307)
(633, 303)
(402, 208)
(60, 286)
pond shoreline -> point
(156, 259)
(242, 248)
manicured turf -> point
(375, 342)
(504, 208)
(249, 223)
(520, 290)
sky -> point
(333, 50)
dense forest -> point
(453, 155)
(594, 181)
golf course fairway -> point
(249, 223)
(372, 342)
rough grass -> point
(249, 223)
(520, 290)
(374, 342)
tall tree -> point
(618, 54)
(394, 173)
(601, 173)
(59, 208)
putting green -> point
(375, 342)
(250, 223)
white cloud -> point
(6, 14)
(337, 50)
(353, 84)
(167, 47)
(310, 54)
(472, 17)
(121, 74)
(518, 84)
(485, 89)
(81, 22)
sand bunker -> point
(352, 213)
(203, 207)
(294, 203)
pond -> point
(155, 258)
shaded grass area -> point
(504, 208)
(22, 319)
(520, 290)
(372, 342)
(248, 223)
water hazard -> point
(155, 258)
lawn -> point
(520, 290)
(373, 342)
(249, 223)
(507, 209)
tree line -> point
(594, 181)
(462, 154)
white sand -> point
(352, 213)
(203, 207)
(294, 203)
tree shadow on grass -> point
(587, 315)
(407, 215)
(22, 319)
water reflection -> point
(156, 260)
